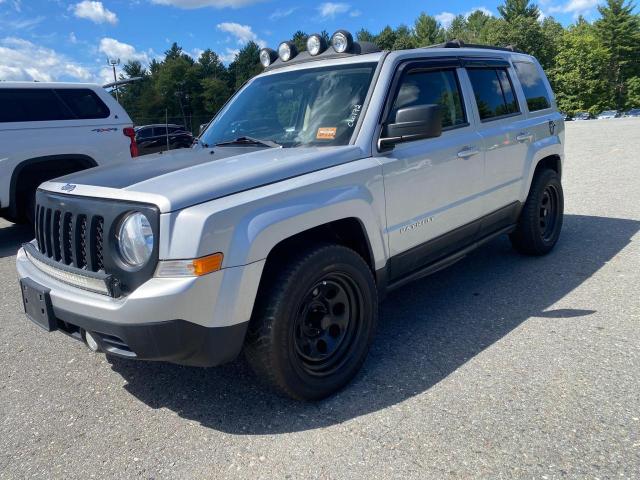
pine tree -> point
(518, 8)
(619, 30)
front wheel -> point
(313, 322)
(540, 221)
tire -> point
(313, 322)
(541, 218)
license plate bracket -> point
(37, 304)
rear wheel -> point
(541, 218)
(313, 323)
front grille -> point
(73, 240)
(78, 233)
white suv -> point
(52, 129)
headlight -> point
(135, 239)
(342, 41)
(316, 44)
(267, 57)
(286, 51)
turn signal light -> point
(190, 268)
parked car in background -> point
(153, 138)
(52, 129)
(634, 112)
(582, 116)
(566, 116)
(608, 114)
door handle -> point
(524, 137)
(468, 152)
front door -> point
(432, 185)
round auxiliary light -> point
(286, 51)
(342, 41)
(135, 239)
(316, 44)
(267, 57)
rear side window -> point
(534, 88)
(32, 105)
(493, 91)
(43, 104)
(84, 103)
(439, 87)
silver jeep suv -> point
(336, 175)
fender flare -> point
(85, 160)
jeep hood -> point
(186, 177)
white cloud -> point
(206, 3)
(484, 10)
(229, 55)
(445, 18)
(94, 11)
(355, 13)
(242, 33)
(112, 48)
(23, 60)
(576, 7)
(282, 13)
(331, 9)
(73, 38)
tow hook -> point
(91, 341)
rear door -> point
(506, 134)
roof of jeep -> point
(425, 52)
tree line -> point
(592, 66)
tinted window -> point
(534, 88)
(31, 105)
(144, 133)
(432, 87)
(493, 91)
(83, 103)
(158, 131)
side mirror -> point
(412, 123)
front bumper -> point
(192, 321)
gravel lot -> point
(499, 367)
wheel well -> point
(553, 162)
(31, 173)
(348, 232)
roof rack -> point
(455, 43)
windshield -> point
(317, 106)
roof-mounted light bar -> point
(341, 42)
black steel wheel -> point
(313, 322)
(328, 321)
(541, 218)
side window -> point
(83, 103)
(160, 131)
(144, 133)
(32, 105)
(428, 87)
(534, 88)
(493, 91)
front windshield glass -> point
(318, 106)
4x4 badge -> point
(69, 187)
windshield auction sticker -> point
(326, 133)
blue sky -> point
(70, 40)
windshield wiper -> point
(249, 141)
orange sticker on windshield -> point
(326, 133)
